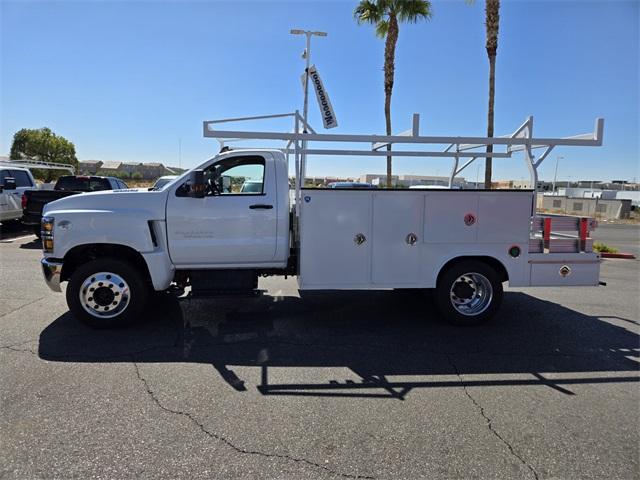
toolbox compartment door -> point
(564, 270)
(335, 250)
(397, 238)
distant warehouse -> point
(615, 208)
(148, 171)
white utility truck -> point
(205, 231)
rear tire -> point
(468, 293)
(36, 231)
(107, 293)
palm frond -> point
(410, 11)
(382, 27)
(368, 11)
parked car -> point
(162, 181)
(251, 186)
(350, 185)
(13, 183)
(33, 201)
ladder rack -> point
(27, 163)
(459, 148)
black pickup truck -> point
(33, 201)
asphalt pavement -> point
(340, 385)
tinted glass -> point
(82, 184)
(22, 178)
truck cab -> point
(216, 240)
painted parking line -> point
(10, 240)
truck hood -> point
(117, 201)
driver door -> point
(231, 225)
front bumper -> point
(52, 272)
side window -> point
(122, 184)
(22, 178)
(236, 176)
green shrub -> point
(602, 248)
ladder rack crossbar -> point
(25, 163)
(397, 139)
(395, 153)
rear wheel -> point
(469, 293)
(107, 293)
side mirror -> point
(196, 184)
(226, 184)
(9, 183)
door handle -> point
(411, 239)
(261, 206)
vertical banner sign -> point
(326, 110)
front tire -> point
(469, 293)
(107, 293)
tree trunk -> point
(488, 166)
(492, 24)
(389, 69)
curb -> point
(626, 256)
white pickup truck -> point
(205, 231)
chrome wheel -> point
(104, 295)
(471, 294)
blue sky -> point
(128, 80)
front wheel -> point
(107, 293)
(469, 293)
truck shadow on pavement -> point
(13, 229)
(375, 335)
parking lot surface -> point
(339, 385)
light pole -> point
(305, 109)
(555, 175)
(307, 56)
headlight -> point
(46, 229)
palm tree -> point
(492, 23)
(385, 15)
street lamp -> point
(307, 56)
(555, 175)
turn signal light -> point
(47, 224)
